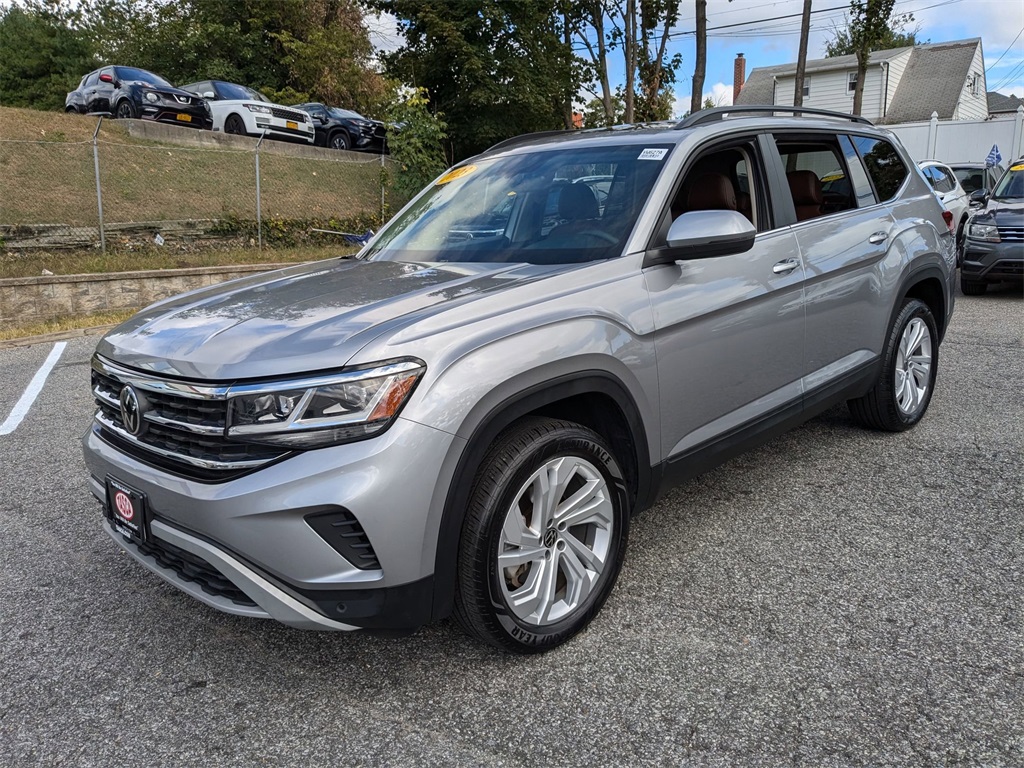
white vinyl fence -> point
(963, 141)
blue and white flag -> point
(994, 158)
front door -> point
(729, 330)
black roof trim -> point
(719, 113)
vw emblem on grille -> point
(131, 410)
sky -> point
(765, 39)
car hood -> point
(169, 89)
(301, 319)
(1003, 213)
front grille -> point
(1009, 267)
(182, 99)
(185, 426)
(194, 569)
(289, 114)
(1011, 234)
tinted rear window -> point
(884, 166)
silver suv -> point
(463, 418)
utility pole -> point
(801, 62)
(697, 90)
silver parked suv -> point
(462, 418)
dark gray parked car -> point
(463, 425)
(994, 249)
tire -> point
(234, 125)
(508, 605)
(125, 110)
(961, 241)
(339, 140)
(972, 287)
(904, 388)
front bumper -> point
(277, 128)
(253, 530)
(171, 114)
(993, 262)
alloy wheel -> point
(913, 366)
(556, 540)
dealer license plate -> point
(126, 510)
(184, 118)
(292, 125)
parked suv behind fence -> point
(449, 424)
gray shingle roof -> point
(932, 82)
(999, 104)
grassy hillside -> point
(48, 177)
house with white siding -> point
(901, 85)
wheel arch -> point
(335, 131)
(927, 284)
(595, 399)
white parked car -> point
(952, 196)
(240, 110)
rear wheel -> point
(234, 125)
(125, 110)
(544, 537)
(961, 241)
(901, 395)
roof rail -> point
(719, 113)
(525, 137)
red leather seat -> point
(711, 192)
(805, 187)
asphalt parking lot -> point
(836, 598)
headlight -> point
(262, 109)
(326, 410)
(151, 97)
(983, 232)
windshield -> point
(971, 179)
(556, 207)
(1011, 185)
(232, 91)
(345, 113)
(141, 75)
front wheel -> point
(972, 287)
(544, 537)
(909, 364)
(234, 125)
(125, 110)
(339, 140)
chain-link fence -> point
(57, 195)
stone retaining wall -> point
(25, 300)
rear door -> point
(842, 243)
(99, 98)
(729, 330)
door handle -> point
(785, 267)
(878, 237)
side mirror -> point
(979, 197)
(107, 78)
(322, 119)
(209, 95)
(704, 235)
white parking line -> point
(32, 390)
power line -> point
(1005, 52)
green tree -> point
(44, 52)
(416, 140)
(872, 26)
(495, 69)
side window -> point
(947, 181)
(91, 79)
(817, 175)
(726, 179)
(862, 190)
(884, 165)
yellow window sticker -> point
(454, 174)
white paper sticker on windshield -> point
(652, 154)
